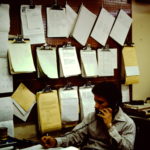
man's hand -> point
(48, 141)
(106, 115)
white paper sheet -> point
(47, 61)
(106, 62)
(87, 102)
(4, 18)
(57, 25)
(6, 84)
(103, 26)
(69, 61)
(32, 24)
(40, 147)
(69, 104)
(84, 24)
(132, 70)
(6, 109)
(125, 93)
(3, 44)
(121, 27)
(6, 114)
(71, 18)
(89, 63)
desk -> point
(142, 141)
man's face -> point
(100, 103)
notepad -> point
(84, 24)
(47, 62)
(23, 61)
(48, 111)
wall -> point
(141, 38)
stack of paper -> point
(87, 102)
(47, 62)
(6, 115)
(69, 64)
(89, 64)
(23, 100)
(23, 61)
(130, 65)
(48, 111)
(69, 104)
(84, 24)
(121, 27)
(107, 62)
(6, 84)
(4, 29)
(32, 24)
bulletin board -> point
(36, 84)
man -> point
(108, 128)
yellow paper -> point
(131, 65)
(48, 112)
(24, 97)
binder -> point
(48, 111)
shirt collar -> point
(119, 115)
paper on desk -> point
(84, 24)
(6, 84)
(40, 147)
(24, 97)
(103, 26)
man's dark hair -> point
(110, 91)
